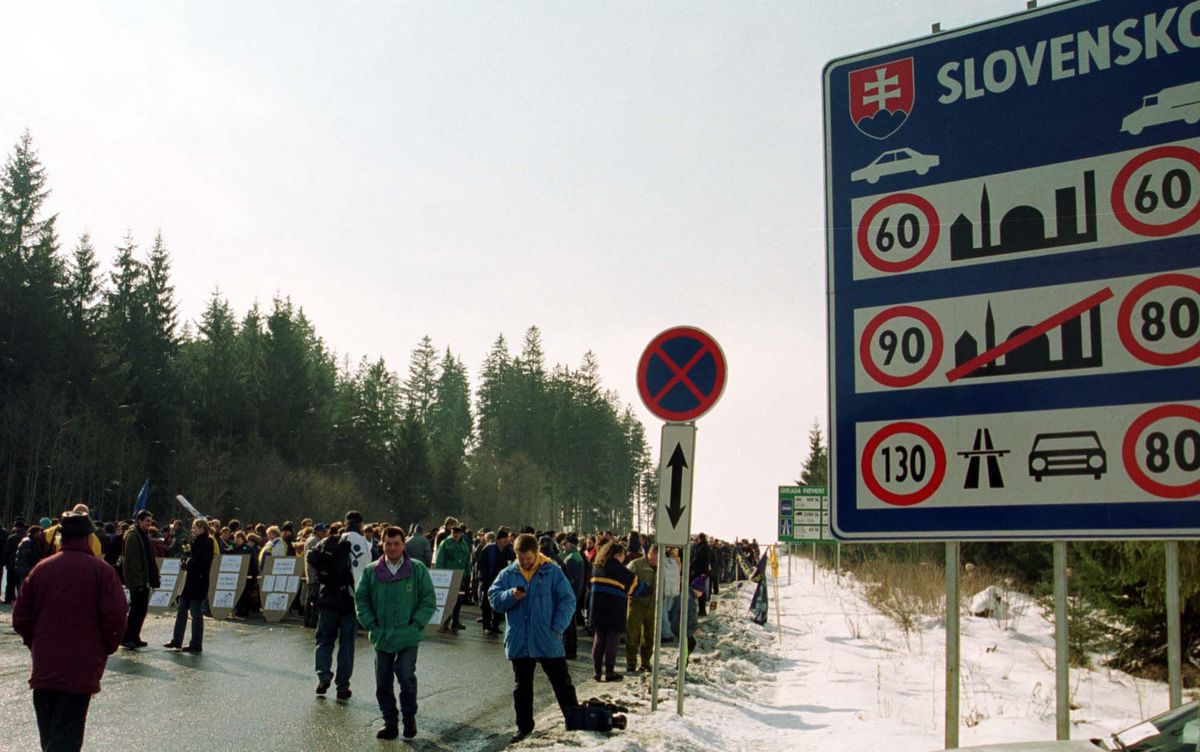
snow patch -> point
(841, 676)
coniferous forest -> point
(251, 414)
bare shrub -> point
(905, 592)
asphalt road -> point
(251, 690)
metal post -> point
(789, 553)
(775, 580)
(659, 579)
(953, 607)
(837, 561)
(1062, 670)
(814, 563)
(1174, 682)
(684, 604)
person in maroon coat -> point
(71, 615)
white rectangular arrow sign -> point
(673, 522)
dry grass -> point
(905, 592)
(909, 591)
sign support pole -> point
(814, 563)
(1062, 671)
(837, 560)
(659, 579)
(775, 580)
(1174, 680)
(684, 605)
(789, 555)
(953, 609)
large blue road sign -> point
(1014, 278)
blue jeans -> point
(669, 602)
(403, 666)
(196, 607)
(343, 628)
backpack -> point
(596, 715)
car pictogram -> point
(894, 162)
(1067, 453)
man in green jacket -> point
(454, 553)
(141, 576)
(395, 601)
(639, 624)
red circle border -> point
(922, 373)
(1129, 451)
(1117, 196)
(1125, 315)
(935, 479)
(864, 224)
(707, 341)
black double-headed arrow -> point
(677, 463)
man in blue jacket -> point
(539, 603)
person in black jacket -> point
(32, 549)
(10, 558)
(195, 589)
(702, 565)
(492, 560)
(612, 584)
(336, 621)
(573, 567)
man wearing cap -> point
(454, 553)
(287, 533)
(572, 565)
(70, 613)
(492, 560)
(360, 547)
(54, 542)
(141, 574)
(330, 565)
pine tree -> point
(160, 298)
(816, 467)
(412, 471)
(420, 388)
(450, 423)
(23, 192)
(31, 273)
(493, 400)
(82, 300)
(213, 386)
(251, 359)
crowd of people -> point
(539, 589)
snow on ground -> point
(845, 677)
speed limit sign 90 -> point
(900, 346)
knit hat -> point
(45, 522)
(75, 525)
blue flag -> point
(143, 497)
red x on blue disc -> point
(681, 374)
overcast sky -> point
(602, 170)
